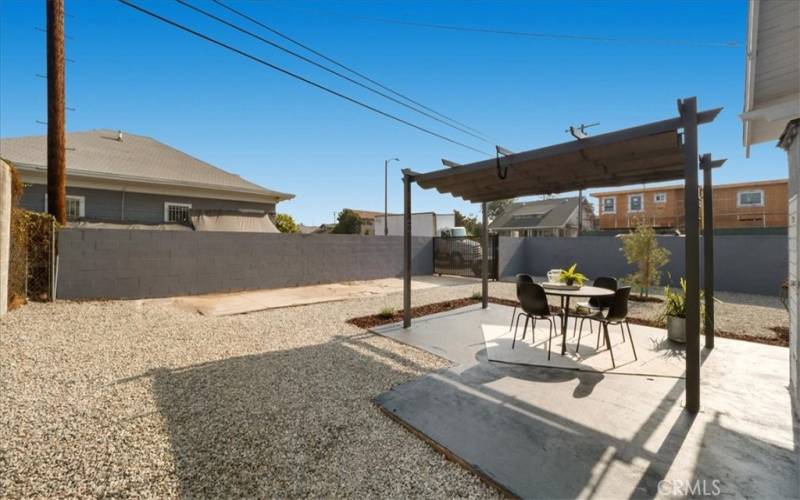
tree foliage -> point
(286, 224)
(348, 222)
(641, 248)
(497, 207)
(468, 222)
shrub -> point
(641, 248)
(286, 224)
(387, 312)
(348, 222)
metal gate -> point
(461, 256)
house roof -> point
(772, 72)
(366, 214)
(136, 158)
(541, 214)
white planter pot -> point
(676, 329)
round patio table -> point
(566, 295)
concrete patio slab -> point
(655, 354)
(540, 432)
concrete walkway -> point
(225, 304)
(541, 432)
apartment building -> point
(742, 205)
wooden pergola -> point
(659, 151)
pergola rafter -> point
(659, 151)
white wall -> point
(424, 224)
(5, 233)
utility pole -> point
(580, 211)
(56, 135)
(386, 195)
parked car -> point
(458, 250)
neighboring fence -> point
(114, 263)
(463, 256)
(743, 263)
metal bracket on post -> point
(502, 172)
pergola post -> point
(688, 112)
(485, 257)
(406, 249)
(708, 249)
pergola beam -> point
(574, 146)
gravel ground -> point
(124, 399)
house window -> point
(609, 205)
(635, 203)
(177, 212)
(660, 198)
(753, 198)
(76, 207)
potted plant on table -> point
(572, 277)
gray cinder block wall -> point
(743, 263)
(123, 264)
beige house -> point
(759, 204)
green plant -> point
(468, 222)
(675, 303)
(348, 222)
(571, 276)
(387, 312)
(286, 224)
(641, 248)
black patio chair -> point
(617, 315)
(533, 302)
(521, 278)
(595, 305)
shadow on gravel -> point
(290, 423)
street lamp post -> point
(386, 195)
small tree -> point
(497, 207)
(348, 222)
(286, 224)
(641, 248)
(468, 222)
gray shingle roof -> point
(554, 212)
(135, 157)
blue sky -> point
(136, 74)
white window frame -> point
(81, 203)
(603, 205)
(168, 204)
(660, 197)
(630, 198)
(739, 194)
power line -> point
(325, 68)
(343, 66)
(530, 34)
(296, 76)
